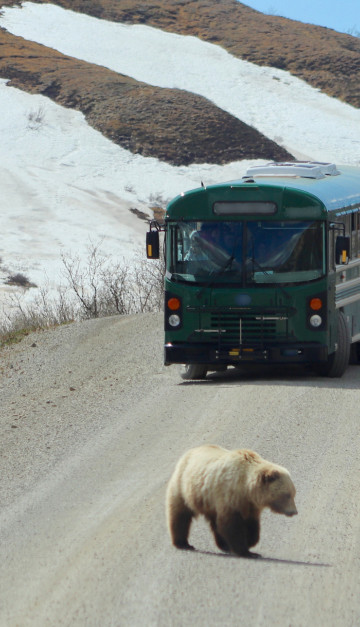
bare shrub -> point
(36, 118)
(354, 31)
(115, 290)
(99, 286)
(45, 310)
(95, 287)
(19, 279)
(147, 289)
(104, 288)
(85, 281)
(54, 309)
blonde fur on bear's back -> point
(207, 475)
(202, 475)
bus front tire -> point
(193, 371)
(338, 362)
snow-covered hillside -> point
(280, 106)
(63, 184)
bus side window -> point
(355, 225)
(179, 246)
(348, 224)
(180, 249)
(331, 251)
(343, 241)
(176, 245)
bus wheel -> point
(194, 371)
(337, 362)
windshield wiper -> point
(256, 264)
(217, 274)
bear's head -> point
(277, 490)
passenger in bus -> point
(204, 253)
(196, 252)
(261, 251)
(271, 247)
(259, 246)
(229, 240)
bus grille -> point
(248, 328)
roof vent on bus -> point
(305, 169)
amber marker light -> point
(316, 304)
(173, 304)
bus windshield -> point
(247, 253)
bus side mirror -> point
(152, 245)
(342, 249)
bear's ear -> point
(268, 476)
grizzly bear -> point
(229, 488)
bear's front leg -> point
(232, 527)
(253, 531)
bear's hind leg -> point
(220, 542)
(179, 520)
(233, 529)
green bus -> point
(264, 270)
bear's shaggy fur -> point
(229, 488)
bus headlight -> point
(174, 320)
(315, 320)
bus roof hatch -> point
(304, 169)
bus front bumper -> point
(306, 353)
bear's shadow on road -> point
(256, 557)
(288, 375)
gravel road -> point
(92, 424)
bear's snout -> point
(291, 511)
(284, 506)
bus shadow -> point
(286, 375)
